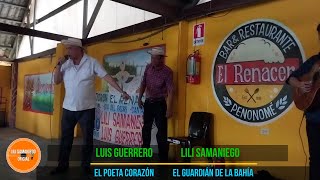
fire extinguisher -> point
(193, 68)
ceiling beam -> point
(11, 4)
(137, 28)
(10, 20)
(5, 59)
(18, 39)
(6, 47)
(85, 17)
(7, 33)
(31, 32)
(56, 11)
(38, 55)
(94, 15)
(156, 7)
(197, 11)
(216, 6)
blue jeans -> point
(86, 120)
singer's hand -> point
(61, 61)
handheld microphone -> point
(66, 57)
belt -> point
(152, 100)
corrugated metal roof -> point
(11, 12)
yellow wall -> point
(227, 131)
(300, 17)
(5, 84)
(36, 123)
(39, 124)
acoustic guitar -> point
(308, 100)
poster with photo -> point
(118, 121)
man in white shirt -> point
(78, 73)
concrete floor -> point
(7, 135)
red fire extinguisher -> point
(193, 68)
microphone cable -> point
(304, 151)
(52, 84)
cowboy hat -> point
(157, 51)
(72, 42)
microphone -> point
(66, 57)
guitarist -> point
(312, 116)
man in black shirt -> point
(312, 116)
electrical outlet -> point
(264, 131)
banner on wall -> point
(250, 69)
(118, 121)
(38, 93)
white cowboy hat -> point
(157, 51)
(72, 42)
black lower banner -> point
(177, 172)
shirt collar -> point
(157, 68)
(83, 59)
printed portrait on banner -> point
(118, 121)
